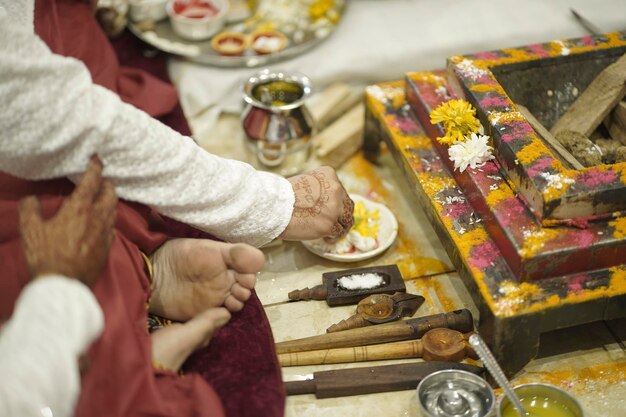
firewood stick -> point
(596, 102)
(619, 114)
(460, 320)
(560, 153)
(343, 106)
(335, 144)
(618, 133)
(326, 102)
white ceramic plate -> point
(387, 233)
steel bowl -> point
(542, 395)
(197, 28)
(454, 393)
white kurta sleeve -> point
(54, 118)
(54, 321)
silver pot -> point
(277, 125)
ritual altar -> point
(539, 245)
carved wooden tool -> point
(356, 381)
(437, 345)
(335, 295)
(460, 320)
(379, 309)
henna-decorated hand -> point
(322, 207)
(75, 241)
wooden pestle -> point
(460, 320)
(437, 344)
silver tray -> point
(162, 37)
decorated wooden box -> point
(510, 194)
(547, 79)
(513, 313)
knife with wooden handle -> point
(368, 380)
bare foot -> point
(192, 275)
(172, 345)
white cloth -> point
(382, 40)
(54, 118)
(54, 321)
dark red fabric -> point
(69, 28)
(240, 361)
(120, 380)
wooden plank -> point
(344, 105)
(596, 102)
(326, 102)
(557, 149)
(335, 144)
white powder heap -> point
(267, 43)
(360, 281)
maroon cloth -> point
(240, 361)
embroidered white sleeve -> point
(54, 118)
(54, 321)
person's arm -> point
(54, 118)
(54, 321)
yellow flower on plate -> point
(458, 118)
(365, 221)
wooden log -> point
(596, 102)
(559, 152)
(335, 144)
(619, 114)
(321, 108)
(618, 133)
(348, 102)
(460, 320)
(583, 149)
(437, 344)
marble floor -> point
(588, 361)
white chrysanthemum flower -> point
(473, 153)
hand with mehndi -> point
(75, 241)
(322, 209)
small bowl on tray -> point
(229, 43)
(197, 19)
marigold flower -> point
(458, 118)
